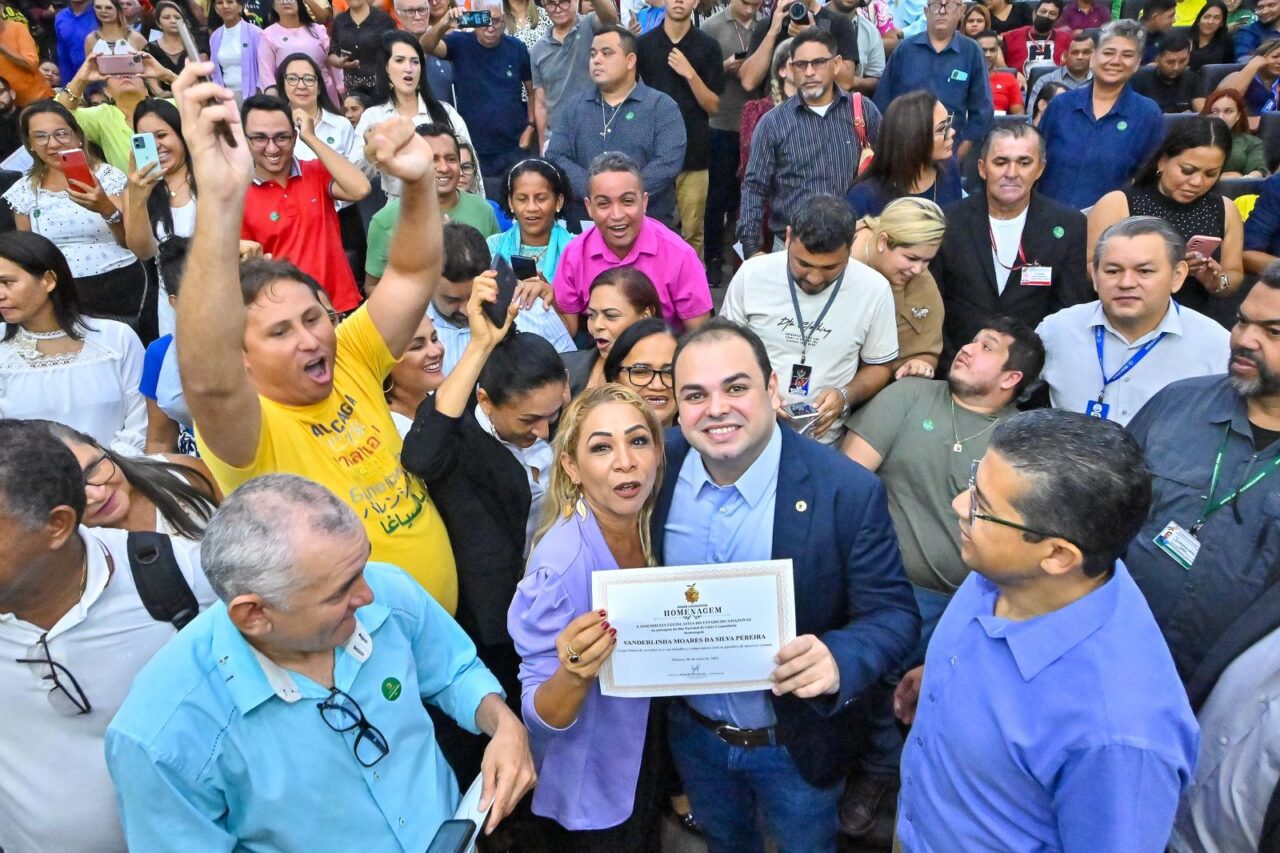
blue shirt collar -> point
(755, 483)
(1037, 643)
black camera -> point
(798, 12)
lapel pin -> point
(801, 506)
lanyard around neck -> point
(795, 303)
(1213, 504)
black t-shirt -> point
(361, 42)
(1173, 96)
(1263, 438)
(1020, 15)
(703, 53)
(10, 136)
(841, 28)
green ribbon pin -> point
(391, 689)
(1058, 231)
(928, 425)
(275, 217)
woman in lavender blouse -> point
(597, 758)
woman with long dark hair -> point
(357, 41)
(168, 50)
(1211, 41)
(292, 29)
(169, 494)
(402, 90)
(536, 190)
(913, 157)
(55, 363)
(299, 80)
(1178, 185)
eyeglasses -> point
(642, 375)
(260, 140)
(467, 168)
(104, 464)
(65, 694)
(803, 65)
(342, 714)
(942, 7)
(41, 138)
(974, 515)
(944, 126)
(301, 79)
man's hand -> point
(779, 18)
(484, 288)
(907, 695)
(830, 405)
(915, 367)
(529, 291)
(805, 668)
(222, 171)
(507, 766)
(680, 63)
(250, 250)
(731, 66)
(305, 124)
(395, 147)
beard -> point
(1265, 384)
(960, 388)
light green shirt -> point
(470, 210)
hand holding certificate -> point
(686, 630)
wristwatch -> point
(113, 218)
(1223, 283)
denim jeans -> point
(728, 784)
(886, 743)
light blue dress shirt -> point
(534, 321)
(711, 524)
(1067, 732)
(217, 748)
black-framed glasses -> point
(974, 515)
(260, 140)
(642, 375)
(944, 126)
(467, 168)
(65, 693)
(301, 79)
(100, 471)
(803, 65)
(342, 714)
(943, 6)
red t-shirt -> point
(298, 223)
(1005, 91)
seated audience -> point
(1073, 72)
(248, 680)
(619, 298)
(535, 194)
(1098, 135)
(75, 633)
(624, 235)
(1257, 81)
(58, 364)
(1211, 39)
(1043, 96)
(598, 508)
(785, 297)
(1157, 17)
(1041, 42)
(1081, 15)
(899, 244)
(641, 360)
(1142, 339)
(1253, 26)
(1008, 15)
(1049, 618)
(1248, 158)
(1006, 88)
(976, 20)
(914, 157)
(416, 375)
(1169, 81)
(1177, 185)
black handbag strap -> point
(163, 590)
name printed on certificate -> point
(685, 630)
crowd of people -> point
(341, 343)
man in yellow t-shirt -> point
(272, 385)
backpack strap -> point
(163, 590)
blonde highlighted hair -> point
(908, 221)
(563, 494)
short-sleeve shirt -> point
(364, 41)
(349, 444)
(733, 38)
(82, 236)
(489, 84)
(298, 223)
(561, 67)
(1005, 91)
(660, 253)
(470, 210)
(106, 126)
(909, 425)
(860, 325)
(1173, 96)
(703, 54)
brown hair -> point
(39, 170)
(637, 288)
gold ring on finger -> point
(574, 657)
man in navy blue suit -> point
(741, 487)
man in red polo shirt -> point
(1006, 89)
(289, 207)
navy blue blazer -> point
(832, 521)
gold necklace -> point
(959, 442)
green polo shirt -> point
(470, 210)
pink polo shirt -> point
(659, 253)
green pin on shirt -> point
(1123, 125)
(928, 425)
(1058, 231)
(275, 216)
(391, 689)
(630, 115)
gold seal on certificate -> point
(684, 630)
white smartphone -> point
(144, 150)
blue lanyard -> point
(1128, 365)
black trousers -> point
(120, 294)
(723, 193)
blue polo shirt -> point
(488, 83)
(956, 75)
(1088, 157)
(70, 31)
(221, 748)
(1262, 228)
(1069, 731)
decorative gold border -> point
(780, 570)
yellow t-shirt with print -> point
(349, 444)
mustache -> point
(1247, 354)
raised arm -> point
(433, 39)
(349, 183)
(211, 312)
(606, 11)
(414, 256)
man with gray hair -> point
(290, 716)
(1138, 337)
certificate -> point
(684, 630)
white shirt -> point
(55, 793)
(1194, 346)
(184, 225)
(336, 132)
(83, 236)
(1008, 239)
(228, 57)
(94, 390)
(860, 326)
(374, 116)
(544, 322)
(537, 456)
(1239, 764)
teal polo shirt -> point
(217, 748)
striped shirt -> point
(797, 154)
